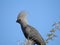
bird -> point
(29, 31)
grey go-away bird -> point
(29, 32)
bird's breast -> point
(26, 31)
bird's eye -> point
(19, 19)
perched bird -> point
(29, 32)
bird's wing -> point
(35, 35)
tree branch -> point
(29, 42)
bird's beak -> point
(17, 21)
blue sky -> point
(41, 15)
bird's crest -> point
(22, 14)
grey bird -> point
(29, 32)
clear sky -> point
(41, 15)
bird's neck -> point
(24, 23)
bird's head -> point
(21, 17)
